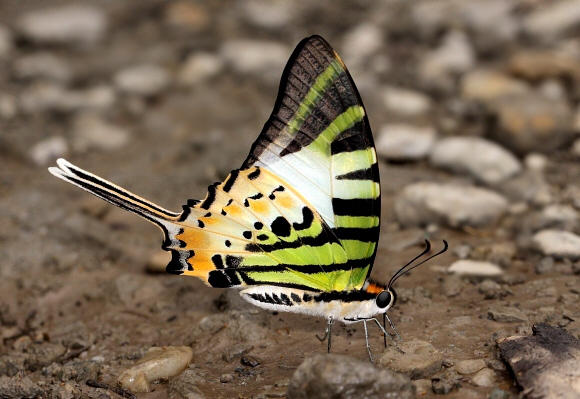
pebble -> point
(186, 385)
(487, 85)
(8, 106)
(5, 41)
(536, 162)
(532, 123)
(342, 377)
(452, 286)
(552, 21)
(424, 203)
(268, 15)
(186, 16)
(78, 371)
(475, 268)
(226, 378)
(446, 382)
(70, 25)
(360, 43)
(547, 65)
(47, 151)
(420, 360)
(485, 160)
(455, 56)
(402, 142)
(529, 187)
(264, 59)
(199, 67)
(250, 361)
(563, 216)
(490, 289)
(469, 366)
(499, 394)
(484, 378)
(405, 102)
(507, 314)
(42, 65)
(235, 351)
(144, 80)
(557, 243)
(158, 362)
(492, 23)
(91, 132)
(48, 96)
(422, 386)
(19, 388)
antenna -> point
(402, 271)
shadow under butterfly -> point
(297, 225)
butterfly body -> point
(297, 226)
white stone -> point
(405, 142)
(5, 41)
(557, 243)
(8, 106)
(484, 84)
(406, 102)
(267, 14)
(145, 79)
(263, 58)
(536, 162)
(41, 96)
(423, 203)
(557, 213)
(492, 23)
(71, 24)
(47, 96)
(92, 132)
(360, 43)
(158, 362)
(475, 268)
(469, 366)
(484, 378)
(552, 20)
(42, 65)
(483, 159)
(45, 152)
(199, 67)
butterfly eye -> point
(384, 299)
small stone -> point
(469, 366)
(158, 362)
(268, 15)
(42, 65)
(559, 216)
(422, 386)
(144, 80)
(493, 24)
(5, 41)
(539, 65)
(499, 394)
(452, 286)
(261, 58)
(552, 21)
(461, 251)
(482, 159)
(186, 16)
(446, 382)
(423, 203)
(91, 132)
(406, 102)
(420, 360)
(474, 268)
(199, 67)
(8, 106)
(79, 371)
(402, 142)
(490, 289)
(536, 162)
(487, 85)
(484, 378)
(250, 361)
(235, 351)
(226, 378)
(72, 24)
(19, 388)
(342, 377)
(186, 385)
(557, 243)
(532, 123)
(47, 151)
(529, 187)
(360, 43)
(507, 314)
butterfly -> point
(297, 225)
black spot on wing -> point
(217, 261)
(281, 227)
(255, 174)
(210, 196)
(371, 173)
(356, 207)
(233, 261)
(258, 225)
(307, 219)
(230, 180)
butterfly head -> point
(384, 297)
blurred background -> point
(474, 109)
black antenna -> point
(402, 272)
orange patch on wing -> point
(193, 238)
(210, 221)
(233, 210)
(259, 206)
(285, 201)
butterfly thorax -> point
(345, 306)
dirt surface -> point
(75, 273)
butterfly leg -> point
(386, 334)
(392, 326)
(367, 338)
(328, 332)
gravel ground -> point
(475, 111)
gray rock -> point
(360, 43)
(560, 216)
(19, 388)
(226, 378)
(403, 142)
(532, 123)
(235, 351)
(529, 187)
(72, 24)
(490, 290)
(260, 58)
(144, 80)
(557, 243)
(446, 382)
(405, 102)
(482, 159)
(11, 365)
(186, 17)
(42, 65)
(8, 106)
(78, 371)
(452, 286)
(91, 132)
(536, 162)
(499, 394)
(469, 366)
(475, 268)
(552, 21)
(268, 15)
(199, 67)
(454, 205)
(185, 386)
(484, 378)
(65, 390)
(420, 360)
(438, 67)
(544, 65)
(487, 85)
(5, 41)
(507, 314)
(340, 377)
(48, 96)
(45, 152)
